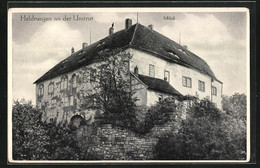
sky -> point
(217, 37)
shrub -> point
(206, 134)
(29, 135)
(36, 140)
(235, 105)
(159, 114)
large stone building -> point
(159, 67)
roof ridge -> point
(133, 34)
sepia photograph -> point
(128, 85)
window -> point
(186, 82)
(201, 86)
(51, 88)
(93, 75)
(40, 90)
(85, 77)
(53, 101)
(74, 81)
(71, 100)
(213, 90)
(64, 82)
(39, 105)
(94, 101)
(65, 101)
(160, 98)
(167, 76)
(151, 70)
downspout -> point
(36, 96)
(211, 90)
(221, 89)
(130, 76)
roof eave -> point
(177, 62)
(173, 94)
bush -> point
(159, 114)
(235, 105)
(36, 140)
(206, 134)
(30, 137)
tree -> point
(235, 105)
(160, 113)
(206, 134)
(36, 140)
(109, 81)
(29, 136)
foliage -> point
(63, 143)
(159, 114)
(235, 105)
(36, 140)
(205, 108)
(206, 134)
(110, 88)
(29, 136)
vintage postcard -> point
(128, 85)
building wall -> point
(142, 60)
(153, 97)
(63, 104)
(218, 98)
(56, 107)
(146, 96)
(140, 92)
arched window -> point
(40, 90)
(64, 82)
(51, 88)
(74, 81)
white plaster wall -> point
(56, 110)
(153, 97)
(217, 99)
(140, 92)
(142, 60)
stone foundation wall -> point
(109, 142)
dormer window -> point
(41, 90)
(64, 82)
(172, 53)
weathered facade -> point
(159, 67)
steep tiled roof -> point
(158, 85)
(138, 37)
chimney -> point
(111, 30)
(136, 70)
(84, 45)
(150, 27)
(128, 23)
(72, 50)
(184, 46)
